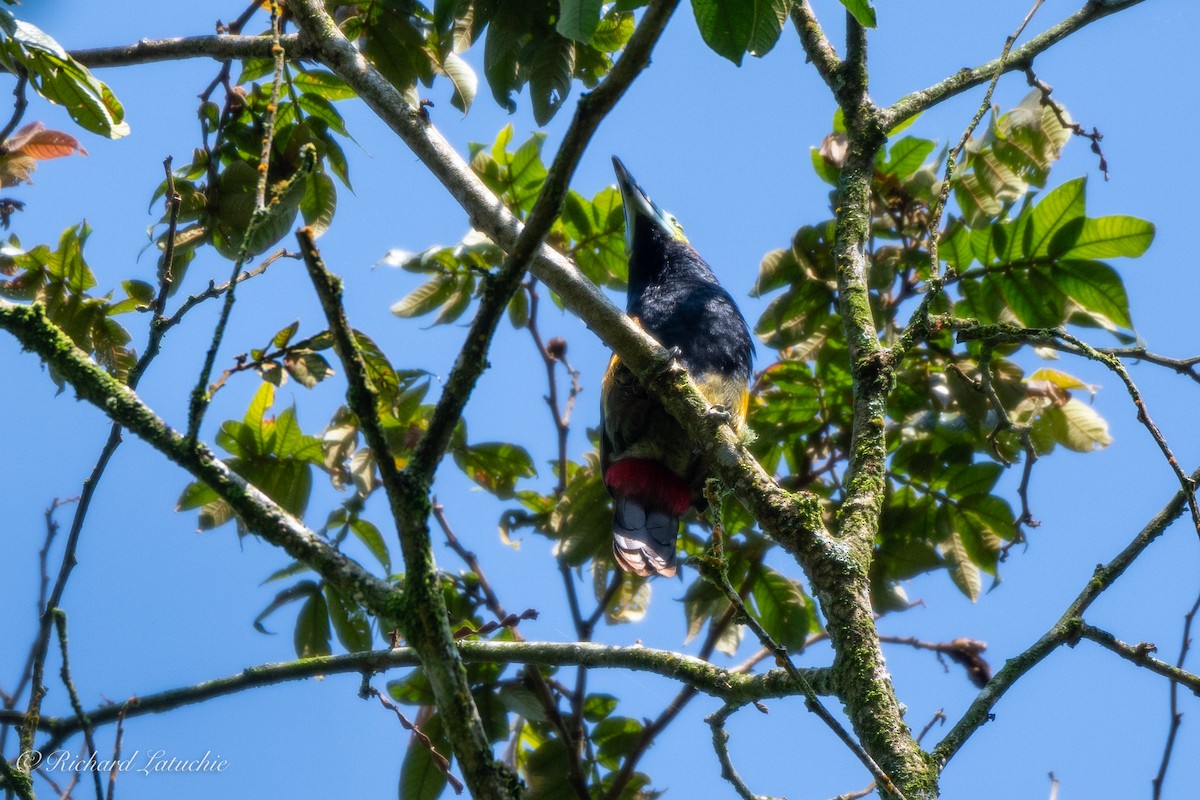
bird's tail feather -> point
(644, 539)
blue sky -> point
(154, 605)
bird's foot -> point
(720, 414)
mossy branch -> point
(37, 333)
(1066, 630)
(1140, 654)
(1018, 59)
(422, 615)
(727, 685)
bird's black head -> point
(658, 250)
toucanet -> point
(653, 471)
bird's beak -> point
(638, 204)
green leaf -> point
(578, 19)
(907, 156)
(862, 11)
(321, 82)
(598, 707)
(1095, 286)
(978, 478)
(466, 82)
(963, 570)
(1078, 426)
(955, 246)
(726, 25)
(349, 621)
(550, 70)
(1111, 237)
(370, 536)
(546, 770)
(783, 609)
(616, 736)
(307, 367)
(62, 80)
(496, 466)
(769, 19)
(284, 336)
(319, 202)
(312, 628)
(426, 297)
(1033, 298)
(1060, 206)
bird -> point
(650, 468)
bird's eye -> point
(677, 226)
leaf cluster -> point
(1014, 253)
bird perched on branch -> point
(651, 469)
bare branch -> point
(426, 622)
(1176, 715)
(727, 685)
(1140, 654)
(816, 45)
(1062, 632)
(939, 203)
(713, 569)
(439, 760)
(60, 624)
(20, 103)
(224, 46)
(1019, 58)
(720, 740)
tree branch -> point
(30, 326)
(591, 110)
(722, 683)
(816, 46)
(1067, 629)
(1020, 58)
(422, 614)
(720, 739)
(1058, 338)
(222, 47)
(1140, 655)
(1176, 714)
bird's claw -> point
(719, 414)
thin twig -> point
(571, 736)
(939, 203)
(20, 103)
(716, 629)
(1065, 630)
(60, 624)
(201, 394)
(1184, 366)
(214, 291)
(966, 79)
(1060, 339)
(1176, 716)
(720, 740)
(439, 760)
(118, 741)
(1140, 654)
(167, 262)
(1060, 113)
(714, 570)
